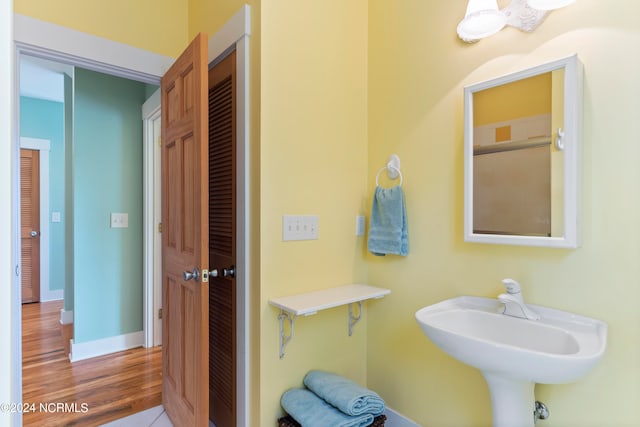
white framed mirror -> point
(522, 157)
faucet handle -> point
(511, 286)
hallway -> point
(88, 392)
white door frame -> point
(9, 304)
(152, 291)
(50, 41)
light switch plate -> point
(55, 216)
(119, 220)
(360, 225)
(299, 227)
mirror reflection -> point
(514, 181)
(522, 143)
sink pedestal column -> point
(512, 401)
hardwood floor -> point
(88, 392)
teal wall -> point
(45, 120)
(107, 177)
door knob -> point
(188, 275)
(230, 272)
(34, 233)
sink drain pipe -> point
(541, 412)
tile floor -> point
(154, 417)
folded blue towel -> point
(388, 225)
(311, 411)
(344, 394)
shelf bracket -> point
(354, 319)
(285, 338)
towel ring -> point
(397, 171)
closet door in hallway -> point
(30, 224)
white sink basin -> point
(559, 348)
(514, 353)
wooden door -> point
(30, 224)
(185, 250)
(222, 242)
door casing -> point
(53, 42)
(152, 289)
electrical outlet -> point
(299, 227)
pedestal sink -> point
(514, 353)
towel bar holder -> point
(392, 167)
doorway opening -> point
(109, 132)
(44, 40)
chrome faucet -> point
(513, 303)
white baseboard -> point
(394, 419)
(66, 317)
(51, 295)
(104, 346)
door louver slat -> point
(222, 327)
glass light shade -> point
(549, 4)
(481, 20)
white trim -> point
(235, 34)
(237, 27)
(87, 350)
(51, 41)
(66, 316)
(573, 114)
(10, 325)
(152, 243)
(395, 419)
(35, 144)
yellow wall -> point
(156, 25)
(417, 71)
(339, 86)
(313, 161)
(210, 15)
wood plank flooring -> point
(86, 393)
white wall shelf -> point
(310, 303)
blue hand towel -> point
(344, 394)
(388, 225)
(311, 411)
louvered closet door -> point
(30, 224)
(222, 243)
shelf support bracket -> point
(285, 338)
(354, 319)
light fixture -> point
(483, 18)
(549, 4)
